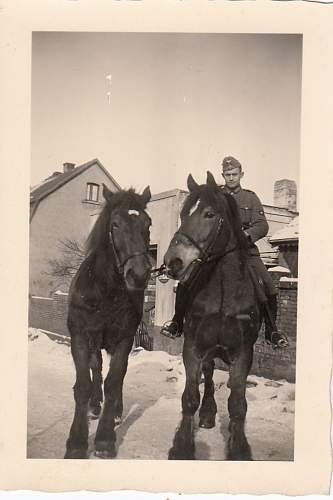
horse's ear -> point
(191, 184)
(146, 195)
(107, 193)
(210, 179)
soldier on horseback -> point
(255, 227)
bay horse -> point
(105, 309)
(208, 255)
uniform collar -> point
(232, 191)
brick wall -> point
(41, 312)
(280, 363)
(49, 313)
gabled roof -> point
(57, 180)
(287, 234)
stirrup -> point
(171, 330)
(277, 343)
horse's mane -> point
(126, 200)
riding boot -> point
(174, 328)
(272, 335)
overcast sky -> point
(178, 103)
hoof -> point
(180, 455)
(240, 454)
(75, 454)
(105, 454)
(105, 449)
(207, 422)
(117, 421)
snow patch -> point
(279, 269)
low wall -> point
(51, 314)
(280, 363)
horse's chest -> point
(114, 316)
(119, 313)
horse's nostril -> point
(137, 279)
(175, 265)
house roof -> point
(288, 234)
(167, 194)
(58, 179)
(268, 253)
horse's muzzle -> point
(174, 268)
(137, 273)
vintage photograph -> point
(163, 245)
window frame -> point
(90, 192)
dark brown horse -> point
(208, 255)
(105, 309)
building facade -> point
(62, 208)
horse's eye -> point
(115, 225)
(209, 215)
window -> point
(92, 192)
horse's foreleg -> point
(238, 447)
(208, 406)
(183, 444)
(113, 405)
(97, 379)
(77, 443)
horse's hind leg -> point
(113, 385)
(77, 443)
(238, 447)
(183, 444)
(97, 379)
(208, 406)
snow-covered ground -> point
(152, 409)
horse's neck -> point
(237, 287)
(104, 270)
(222, 287)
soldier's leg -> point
(272, 335)
(174, 328)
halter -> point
(206, 254)
(121, 264)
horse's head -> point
(126, 235)
(206, 230)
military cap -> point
(229, 163)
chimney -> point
(285, 192)
(68, 167)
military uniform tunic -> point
(255, 225)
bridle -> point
(204, 253)
(121, 264)
(207, 253)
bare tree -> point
(65, 267)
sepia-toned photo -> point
(166, 256)
(163, 246)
